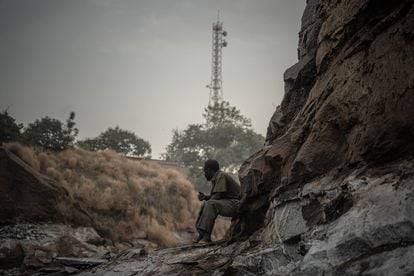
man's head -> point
(210, 168)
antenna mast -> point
(216, 84)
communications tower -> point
(216, 84)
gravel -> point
(29, 232)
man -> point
(224, 200)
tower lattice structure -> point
(216, 83)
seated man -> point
(223, 200)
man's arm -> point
(202, 196)
(215, 196)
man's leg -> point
(201, 233)
(199, 216)
(211, 209)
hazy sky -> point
(142, 64)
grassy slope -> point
(121, 194)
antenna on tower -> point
(218, 42)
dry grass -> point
(122, 194)
(25, 153)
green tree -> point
(221, 113)
(9, 129)
(119, 140)
(226, 135)
(51, 134)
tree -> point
(221, 113)
(119, 140)
(226, 135)
(51, 134)
(9, 129)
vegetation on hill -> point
(52, 134)
(121, 194)
(9, 129)
(119, 140)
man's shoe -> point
(203, 237)
(205, 241)
(198, 239)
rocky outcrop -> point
(335, 177)
(332, 191)
(359, 111)
(300, 78)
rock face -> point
(349, 103)
(332, 191)
(335, 179)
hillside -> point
(120, 194)
(76, 203)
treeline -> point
(225, 135)
(52, 134)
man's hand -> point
(202, 196)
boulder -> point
(11, 255)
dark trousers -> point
(214, 207)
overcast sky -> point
(142, 65)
